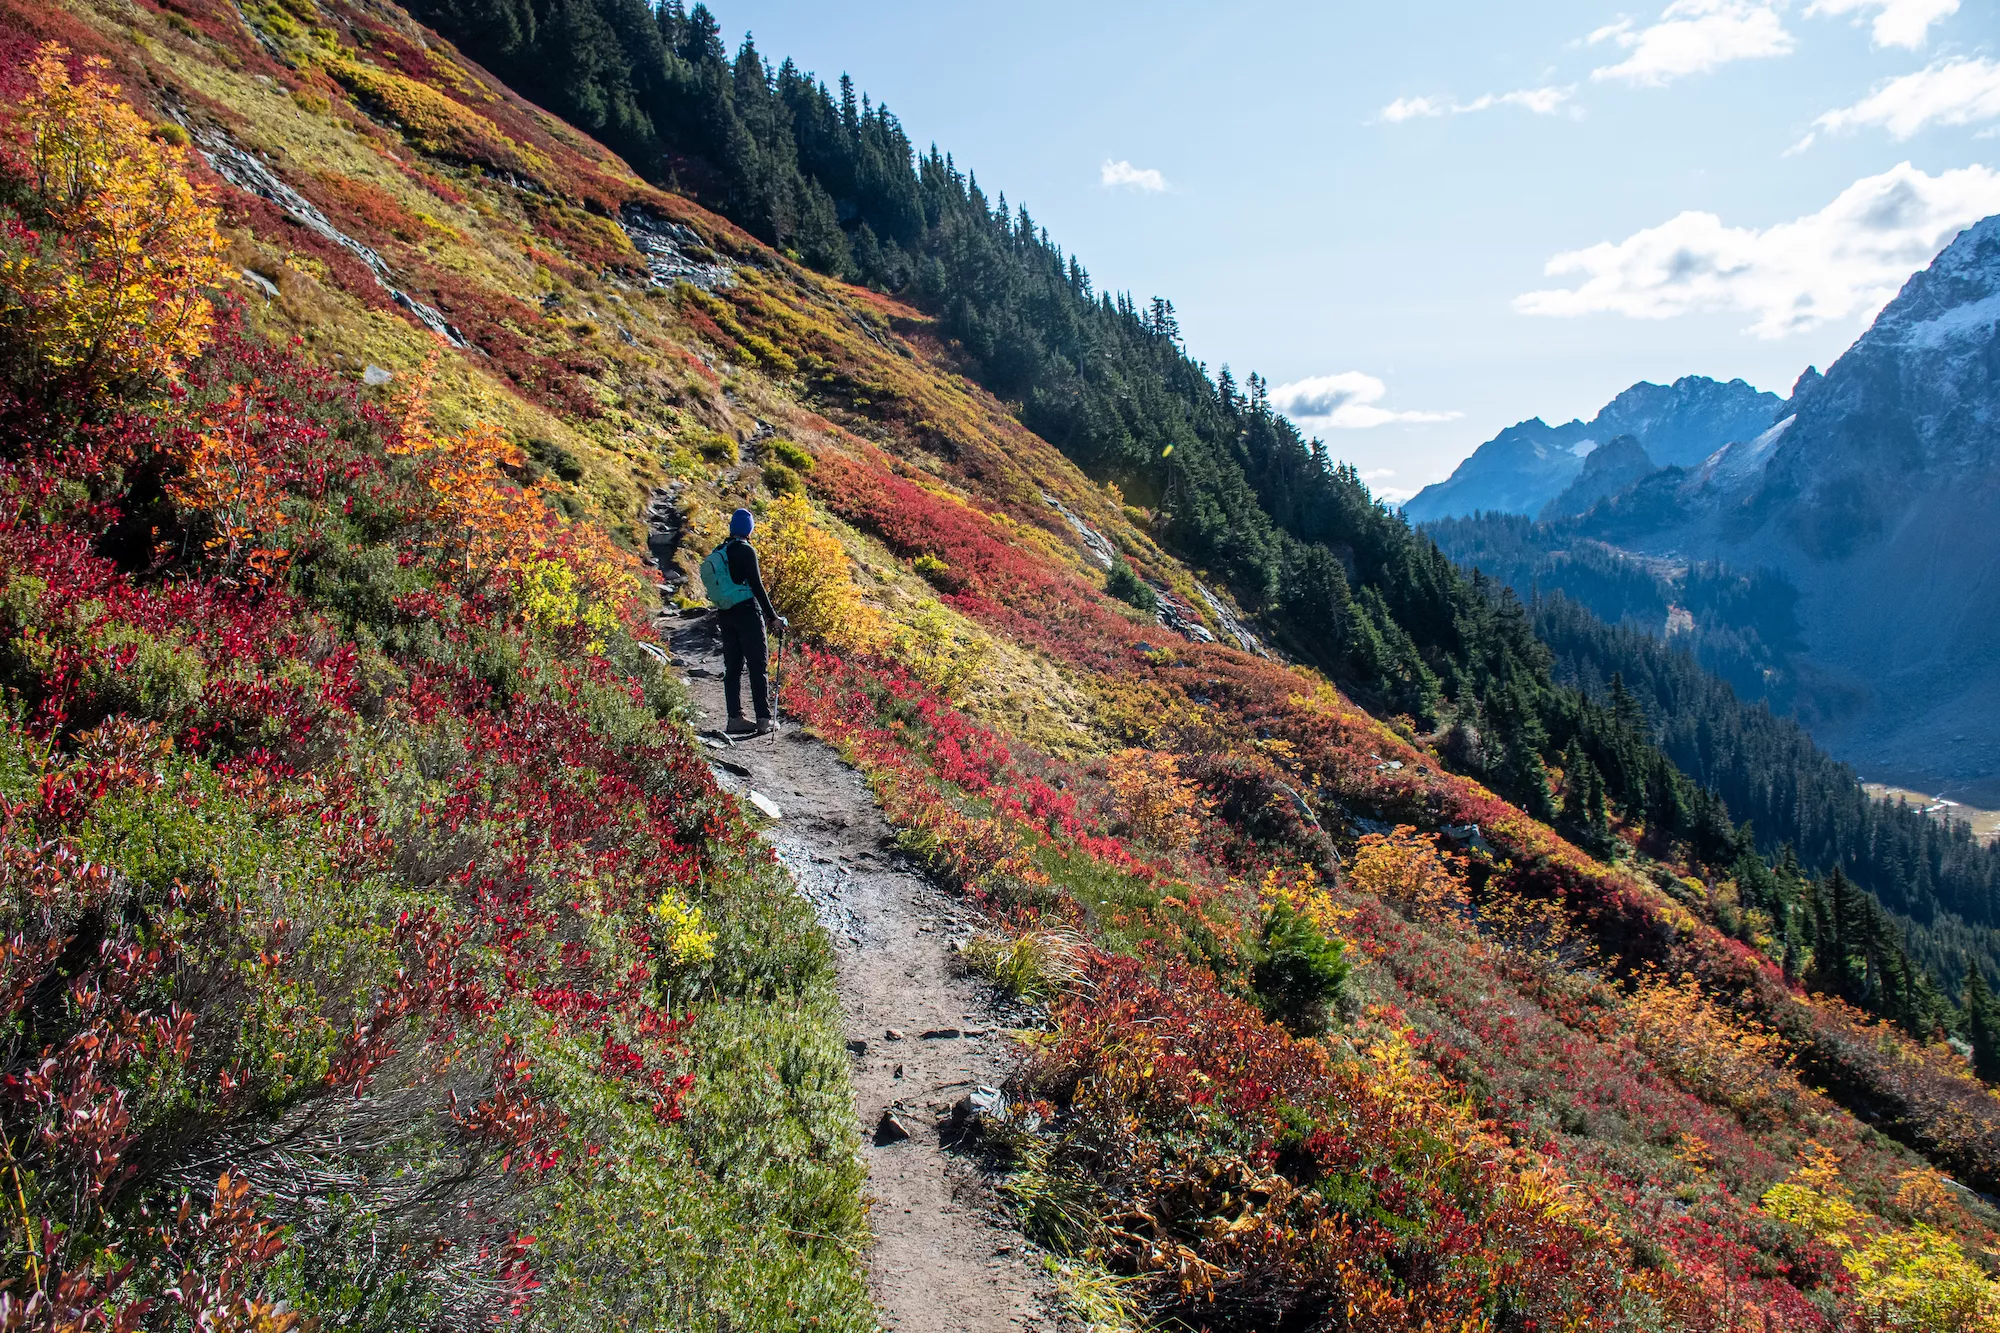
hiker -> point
(733, 583)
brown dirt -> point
(946, 1258)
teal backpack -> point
(719, 583)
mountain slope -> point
(1324, 1023)
(1877, 501)
(1608, 469)
(1522, 468)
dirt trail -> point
(945, 1259)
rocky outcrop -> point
(1607, 471)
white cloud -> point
(1844, 261)
(1410, 108)
(1344, 402)
(1948, 92)
(1113, 175)
(1897, 22)
(1692, 37)
(1541, 101)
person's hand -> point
(784, 623)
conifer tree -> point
(1982, 1024)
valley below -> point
(1945, 805)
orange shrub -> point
(478, 517)
(225, 475)
(1406, 867)
(1724, 1058)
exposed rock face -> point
(1607, 471)
(1878, 496)
(1525, 466)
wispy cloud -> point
(1541, 101)
(1346, 401)
(1948, 92)
(1123, 175)
(1846, 260)
(1897, 22)
(1692, 37)
(1412, 108)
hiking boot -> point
(765, 726)
(736, 726)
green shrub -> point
(714, 446)
(1127, 586)
(552, 457)
(779, 479)
(792, 455)
(1300, 973)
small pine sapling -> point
(1301, 973)
(1127, 586)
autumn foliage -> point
(104, 272)
(367, 930)
(1152, 799)
(805, 571)
(376, 941)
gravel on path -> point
(945, 1258)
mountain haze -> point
(1527, 465)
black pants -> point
(743, 645)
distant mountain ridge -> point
(1527, 465)
(1876, 493)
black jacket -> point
(742, 557)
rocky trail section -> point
(922, 1038)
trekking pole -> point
(778, 691)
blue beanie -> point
(740, 523)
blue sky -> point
(1363, 202)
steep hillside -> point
(383, 953)
(1525, 466)
(1875, 498)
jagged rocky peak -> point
(1526, 466)
(1912, 407)
(1956, 299)
(1682, 423)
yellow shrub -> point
(1149, 794)
(684, 938)
(116, 296)
(435, 123)
(929, 644)
(1407, 868)
(805, 571)
(1304, 893)
(764, 350)
(1722, 1057)
(1916, 1279)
